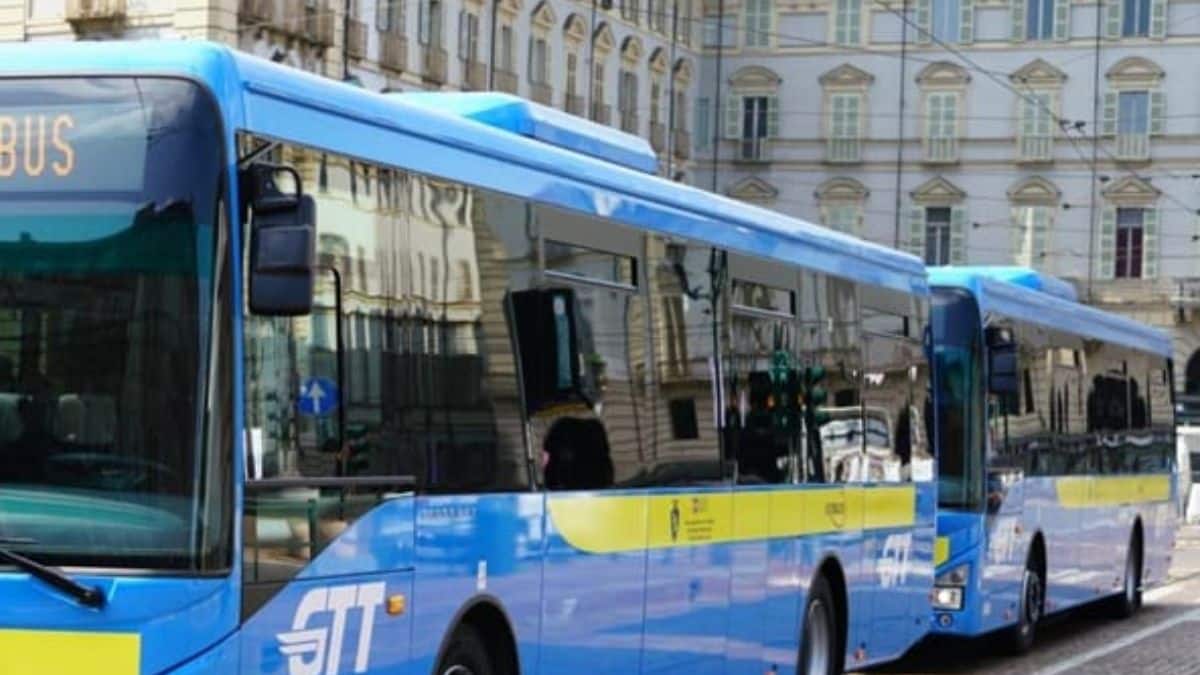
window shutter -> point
(1150, 243)
(462, 33)
(916, 231)
(1027, 124)
(1062, 20)
(766, 14)
(1017, 13)
(1106, 258)
(854, 22)
(1112, 19)
(1158, 19)
(1108, 126)
(924, 17)
(703, 132)
(1158, 112)
(966, 26)
(958, 235)
(841, 21)
(381, 16)
(772, 116)
(933, 117)
(835, 116)
(529, 62)
(423, 22)
(1017, 219)
(853, 121)
(733, 117)
(1042, 218)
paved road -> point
(1162, 639)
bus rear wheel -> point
(1029, 613)
(466, 654)
(819, 642)
(1129, 601)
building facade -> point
(1053, 133)
(630, 64)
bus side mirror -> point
(545, 330)
(282, 244)
(1002, 369)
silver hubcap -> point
(1032, 599)
(458, 670)
(816, 626)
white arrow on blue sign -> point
(318, 395)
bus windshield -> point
(958, 355)
(109, 198)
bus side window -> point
(893, 366)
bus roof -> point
(285, 103)
(1027, 295)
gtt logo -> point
(317, 651)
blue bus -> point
(1056, 453)
(301, 378)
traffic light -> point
(815, 397)
(358, 450)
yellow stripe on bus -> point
(599, 523)
(1080, 492)
(36, 652)
(941, 550)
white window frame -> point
(846, 112)
(942, 113)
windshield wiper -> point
(88, 596)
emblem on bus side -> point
(318, 650)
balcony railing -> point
(1133, 146)
(941, 149)
(844, 150)
(658, 136)
(629, 121)
(505, 80)
(541, 92)
(356, 39)
(1035, 148)
(394, 54)
(257, 11)
(433, 64)
(83, 14)
(574, 104)
(474, 75)
(683, 144)
(754, 150)
(318, 24)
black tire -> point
(1129, 601)
(1029, 612)
(820, 636)
(466, 654)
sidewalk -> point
(1186, 561)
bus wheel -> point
(1030, 611)
(466, 654)
(1129, 601)
(819, 640)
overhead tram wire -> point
(1061, 122)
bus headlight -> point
(949, 587)
(947, 598)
